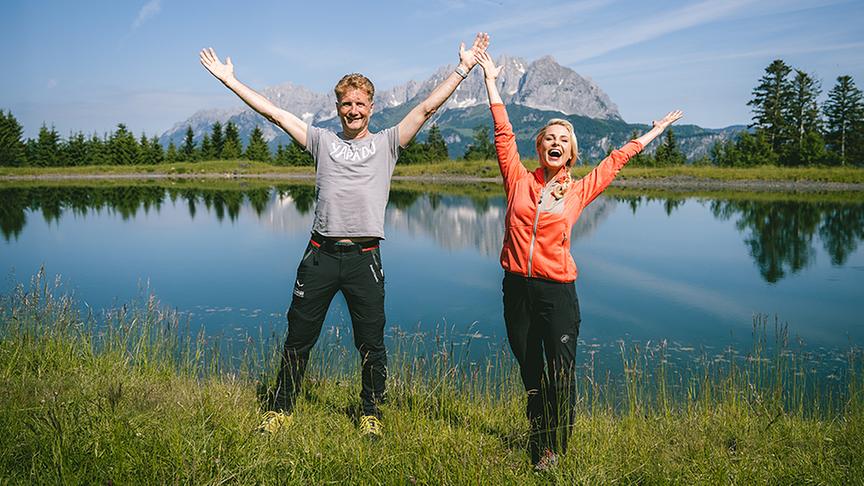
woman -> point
(541, 310)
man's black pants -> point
(327, 267)
(542, 319)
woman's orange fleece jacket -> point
(537, 224)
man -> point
(353, 171)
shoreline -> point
(85, 406)
(677, 182)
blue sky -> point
(86, 66)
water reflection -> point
(455, 225)
(780, 236)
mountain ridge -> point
(533, 92)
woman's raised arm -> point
(490, 75)
(659, 126)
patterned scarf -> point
(562, 183)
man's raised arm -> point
(292, 125)
(410, 125)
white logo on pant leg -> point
(298, 289)
(565, 338)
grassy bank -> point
(479, 190)
(449, 168)
(136, 398)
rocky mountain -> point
(533, 92)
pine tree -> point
(216, 140)
(770, 98)
(122, 147)
(482, 148)
(746, 150)
(206, 148)
(171, 154)
(11, 144)
(156, 154)
(188, 152)
(436, 148)
(281, 156)
(30, 152)
(812, 149)
(74, 150)
(723, 153)
(802, 114)
(257, 149)
(232, 148)
(413, 153)
(97, 151)
(298, 155)
(47, 148)
(844, 119)
(753, 150)
(668, 152)
(143, 155)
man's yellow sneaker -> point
(371, 425)
(274, 421)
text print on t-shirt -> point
(348, 153)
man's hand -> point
(222, 72)
(469, 58)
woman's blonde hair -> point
(574, 146)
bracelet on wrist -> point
(461, 71)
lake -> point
(692, 270)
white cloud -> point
(612, 38)
(641, 66)
(560, 15)
(147, 12)
(513, 20)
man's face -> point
(354, 109)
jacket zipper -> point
(534, 231)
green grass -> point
(138, 399)
(762, 173)
(479, 190)
(211, 168)
(446, 169)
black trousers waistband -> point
(335, 246)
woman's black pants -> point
(542, 319)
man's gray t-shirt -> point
(352, 181)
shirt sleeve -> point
(596, 181)
(313, 137)
(506, 148)
(393, 147)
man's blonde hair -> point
(354, 81)
(574, 145)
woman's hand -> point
(669, 119)
(489, 69)
(222, 72)
(659, 126)
(469, 58)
